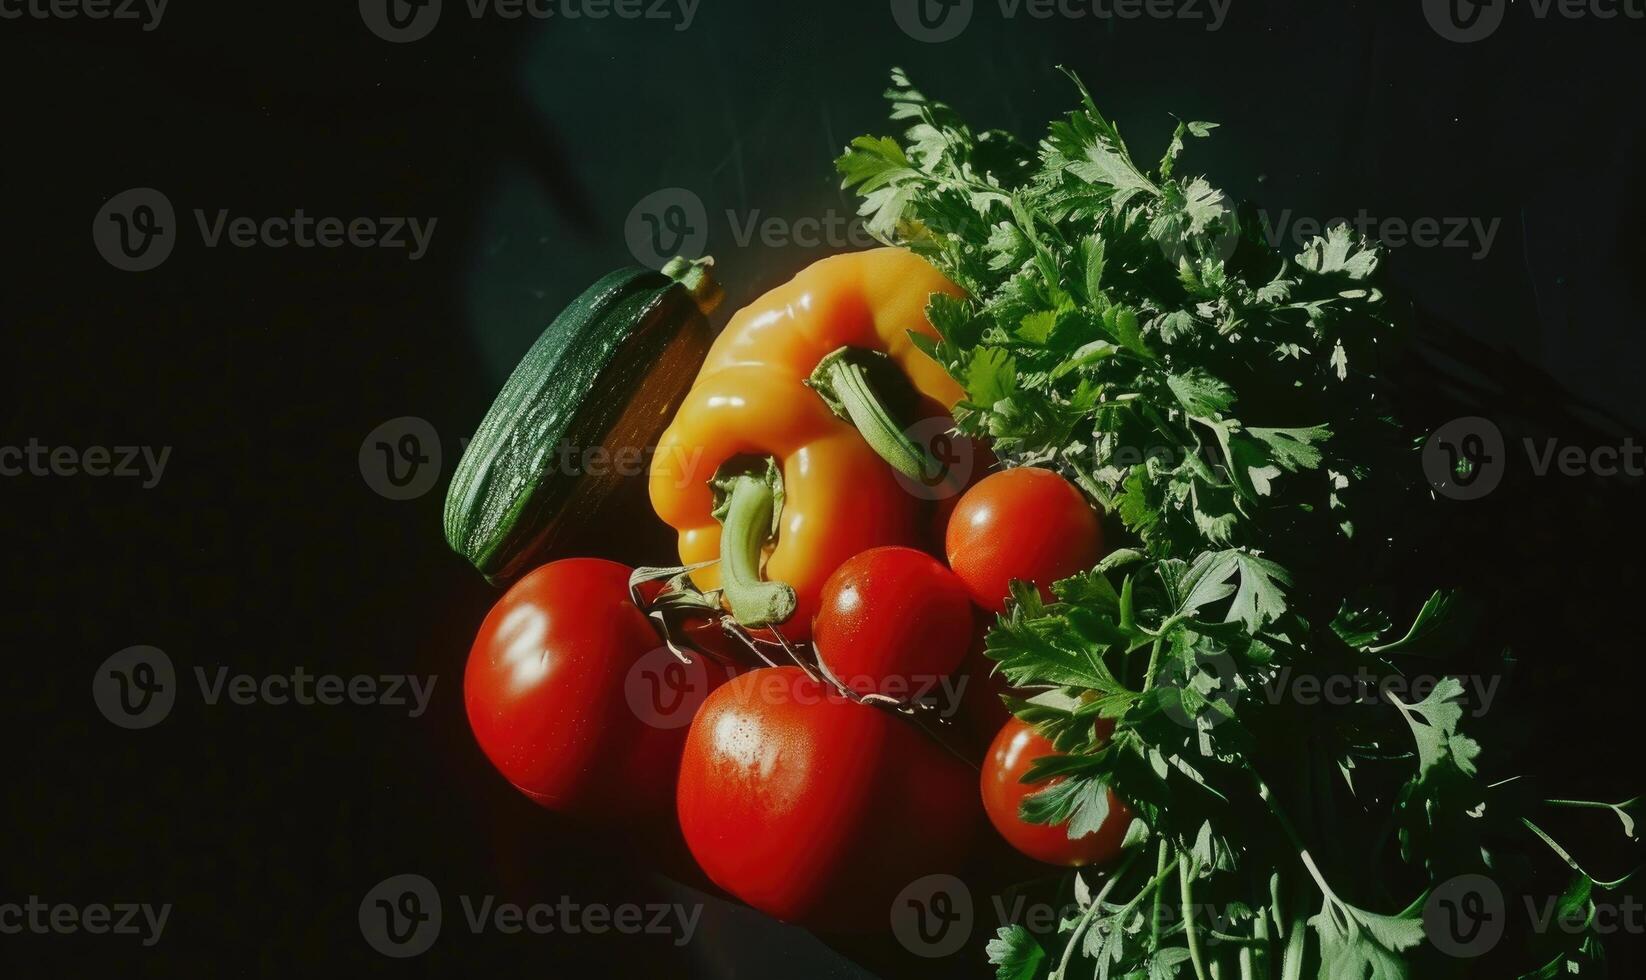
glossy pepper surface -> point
(752, 400)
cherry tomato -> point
(1023, 523)
(573, 697)
(816, 809)
(893, 621)
(1016, 748)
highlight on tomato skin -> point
(893, 621)
(1014, 750)
(550, 693)
(1025, 523)
(817, 809)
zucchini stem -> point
(842, 380)
(749, 504)
(694, 276)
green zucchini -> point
(608, 374)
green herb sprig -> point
(1132, 329)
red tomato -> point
(816, 809)
(1023, 523)
(573, 697)
(1013, 751)
(893, 621)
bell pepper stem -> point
(842, 379)
(749, 506)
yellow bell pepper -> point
(780, 462)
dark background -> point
(264, 548)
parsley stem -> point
(1185, 879)
(1291, 965)
(1154, 918)
(1250, 956)
(1297, 842)
(1260, 941)
(1224, 937)
(1154, 662)
(1097, 903)
(1593, 804)
(1571, 862)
